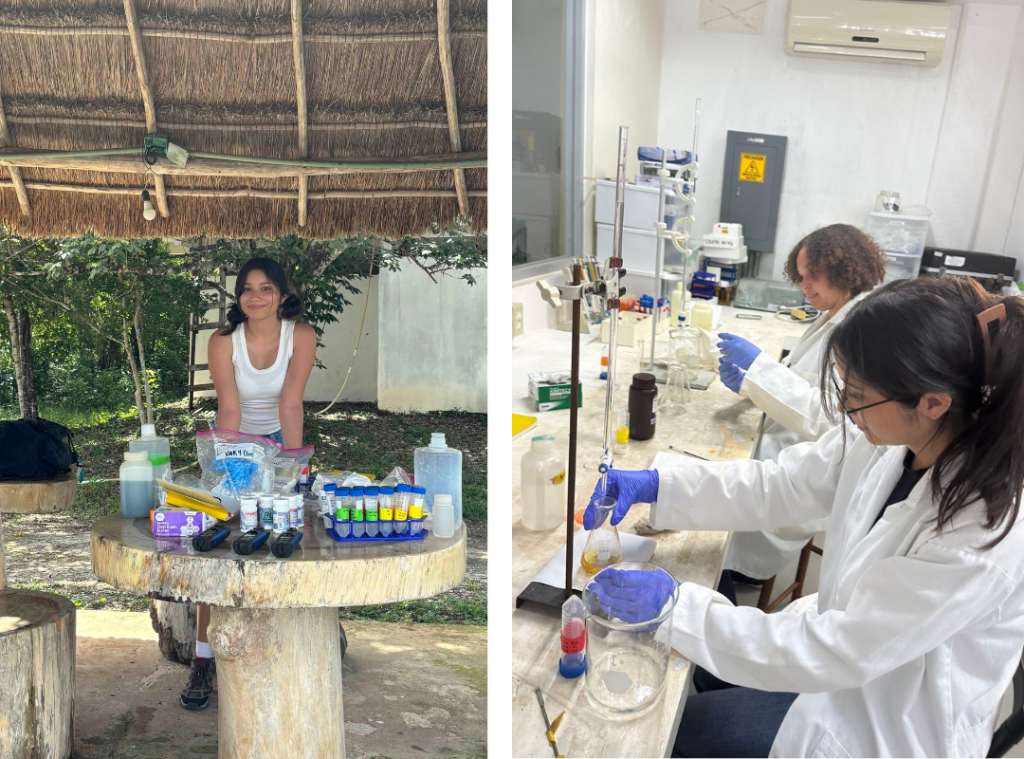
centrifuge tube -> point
(573, 661)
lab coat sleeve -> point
(787, 396)
(750, 495)
(902, 608)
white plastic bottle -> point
(677, 304)
(136, 475)
(438, 469)
(159, 451)
(543, 481)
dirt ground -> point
(434, 704)
(50, 552)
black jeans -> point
(724, 720)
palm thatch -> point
(323, 80)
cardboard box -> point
(549, 392)
(179, 523)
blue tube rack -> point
(378, 538)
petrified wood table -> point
(274, 622)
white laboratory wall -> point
(432, 342)
(623, 87)
(948, 137)
(336, 354)
(537, 314)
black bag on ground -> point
(35, 449)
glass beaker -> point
(627, 662)
(677, 391)
(686, 348)
(603, 547)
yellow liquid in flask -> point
(595, 561)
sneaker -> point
(196, 694)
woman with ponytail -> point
(260, 363)
(261, 360)
(919, 620)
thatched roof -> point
(366, 82)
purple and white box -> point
(179, 523)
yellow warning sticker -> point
(559, 478)
(751, 167)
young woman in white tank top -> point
(260, 363)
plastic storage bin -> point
(438, 469)
(641, 206)
(902, 238)
(639, 249)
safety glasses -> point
(851, 411)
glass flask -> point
(627, 663)
(677, 391)
(603, 547)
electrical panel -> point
(752, 186)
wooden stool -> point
(37, 659)
(175, 623)
(39, 496)
(764, 602)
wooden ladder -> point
(195, 328)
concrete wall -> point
(624, 66)
(948, 137)
(339, 340)
(432, 342)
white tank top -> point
(259, 390)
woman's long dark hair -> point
(917, 336)
(290, 306)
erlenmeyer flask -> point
(603, 547)
(677, 391)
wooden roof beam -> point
(135, 34)
(19, 185)
(212, 167)
(204, 192)
(300, 102)
(448, 76)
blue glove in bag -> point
(732, 376)
(626, 488)
(738, 351)
(633, 595)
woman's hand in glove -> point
(737, 350)
(626, 488)
(732, 376)
(633, 595)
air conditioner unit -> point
(868, 30)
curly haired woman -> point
(836, 267)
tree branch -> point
(36, 294)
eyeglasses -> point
(851, 411)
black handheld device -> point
(211, 538)
(285, 543)
(249, 541)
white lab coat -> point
(787, 392)
(916, 634)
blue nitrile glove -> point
(732, 376)
(633, 595)
(737, 350)
(626, 488)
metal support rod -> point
(570, 513)
(659, 255)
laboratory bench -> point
(716, 424)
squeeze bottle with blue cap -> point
(573, 661)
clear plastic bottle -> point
(136, 477)
(542, 471)
(438, 469)
(444, 516)
(573, 661)
(158, 449)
